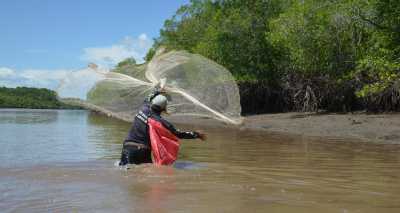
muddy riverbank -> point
(354, 126)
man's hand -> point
(202, 136)
(162, 91)
(160, 86)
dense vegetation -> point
(24, 97)
(304, 55)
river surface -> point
(65, 161)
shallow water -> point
(63, 161)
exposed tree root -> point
(388, 100)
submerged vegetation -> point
(308, 55)
(25, 97)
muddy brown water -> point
(64, 161)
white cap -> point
(161, 101)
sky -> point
(41, 41)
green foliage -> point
(380, 72)
(129, 67)
(229, 32)
(126, 62)
(387, 22)
(320, 37)
(354, 45)
(150, 54)
(379, 69)
(24, 97)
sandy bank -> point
(358, 126)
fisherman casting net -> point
(197, 86)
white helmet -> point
(160, 101)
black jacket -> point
(139, 131)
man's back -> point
(138, 132)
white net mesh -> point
(197, 86)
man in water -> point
(137, 147)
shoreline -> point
(358, 126)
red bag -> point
(164, 144)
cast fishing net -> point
(197, 86)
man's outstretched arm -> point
(182, 134)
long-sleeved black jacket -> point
(139, 131)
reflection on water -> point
(30, 137)
(234, 171)
(27, 116)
